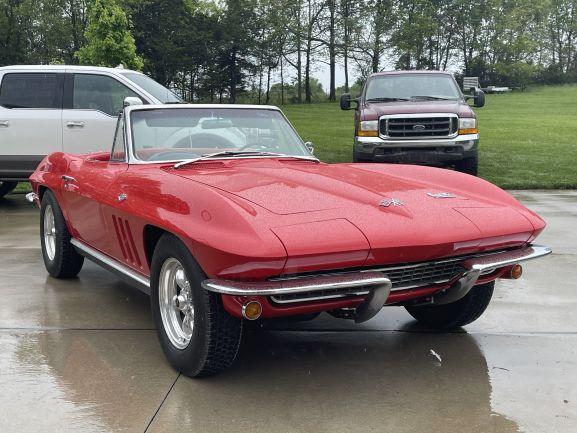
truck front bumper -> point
(427, 151)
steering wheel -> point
(253, 146)
(172, 155)
(207, 140)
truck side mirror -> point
(479, 98)
(132, 100)
(346, 101)
(310, 146)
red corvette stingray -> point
(221, 213)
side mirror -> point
(346, 101)
(132, 100)
(310, 146)
(479, 98)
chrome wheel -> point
(175, 302)
(49, 233)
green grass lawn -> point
(528, 139)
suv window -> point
(118, 153)
(31, 90)
(99, 92)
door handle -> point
(4, 124)
(75, 124)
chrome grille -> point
(419, 127)
(402, 277)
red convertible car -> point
(222, 214)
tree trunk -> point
(232, 96)
(332, 51)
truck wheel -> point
(468, 165)
(197, 335)
(460, 313)
(60, 257)
(6, 187)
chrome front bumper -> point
(376, 283)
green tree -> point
(109, 41)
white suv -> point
(73, 109)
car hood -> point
(373, 110)
(344, 206)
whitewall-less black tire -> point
(198, 337)
(60, 257)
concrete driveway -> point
(82, 356)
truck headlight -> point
(468, 125)
(368, 128)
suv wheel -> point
(6, 187)
(60, 257)
(460, 313)
(468, 165)
(197, 335)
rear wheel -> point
(60, 257)
(468, 165)
(460, 313)
(197, 335)
(6, 187)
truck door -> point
(30, 120)
(91, 107)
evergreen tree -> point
(109, 41)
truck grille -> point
(419, 127)
(402, 277)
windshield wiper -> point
(433, 98)
(387, 99)
(241, 153)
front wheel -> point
(468, 165)
(460, 313)
(6, 187)
(198, 337)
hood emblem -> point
(419, 127)
(441, 195)
(391, 202)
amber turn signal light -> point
(516, 272)
(468, 131)
(251, 310)
(361, 133)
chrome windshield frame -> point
(133, 160)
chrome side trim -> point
(300, 285)
(141, 281)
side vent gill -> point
(126, 241)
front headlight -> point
(468, 125)
(368, 128)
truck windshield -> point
(180, 133)
(155, 89)
(385, 88)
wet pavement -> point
(82, 356)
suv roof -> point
(414, 71)
(68, 67)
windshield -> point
(411, 86)
(155, 89)
(175, 134)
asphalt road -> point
(82, 356)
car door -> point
(86, 187)
(30, 119)
(91, 107)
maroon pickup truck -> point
(418, 117)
